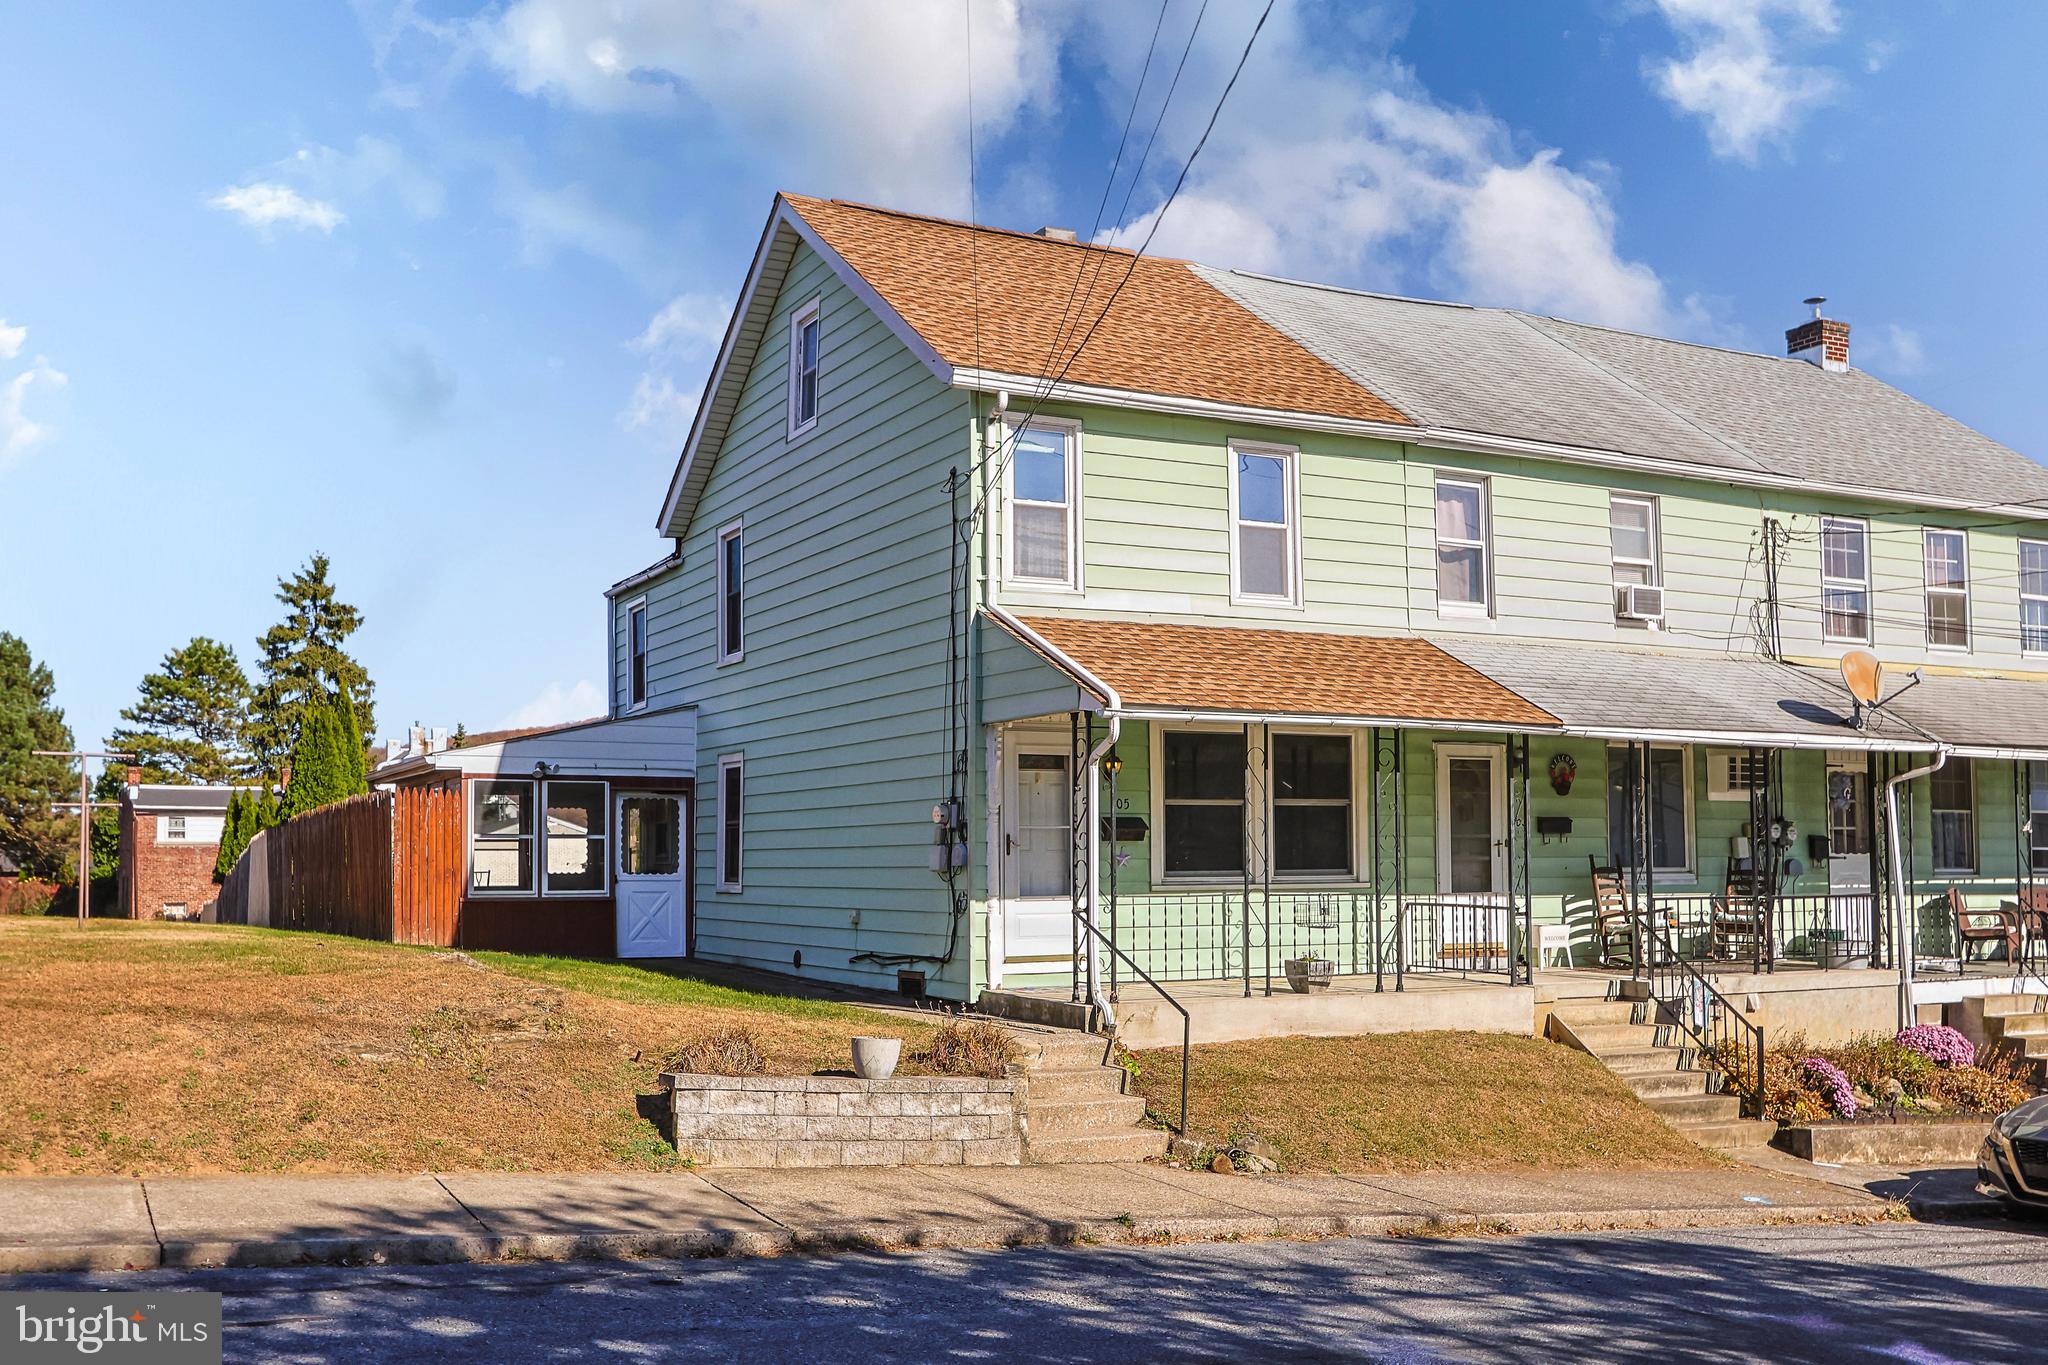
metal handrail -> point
(1718, 1026)
(1186, 1022)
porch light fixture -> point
(543, 768)
(1112, 764)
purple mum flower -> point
(1938, 1043)
(1841, 1095)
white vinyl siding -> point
(190, 829)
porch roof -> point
(1690, 696)
(1980, 717)
(1166, 668)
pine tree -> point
(352, 742)
(302, 659)
(321, 770)
(235, 835)
(190, 724)
(267, 814)
(34, 837)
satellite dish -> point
(1863, 675)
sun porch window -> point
(501, 836)
(1670, 801)
(575, 834)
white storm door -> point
(1471, 793)
(1037, 857)
(1848, 825)
(652, 895)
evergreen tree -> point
(321, 771)
(352, 742)
(266, 813)
(190, 724)
(38, 840)
(235, 834)
(302, 658)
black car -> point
(2013, 1162)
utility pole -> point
(85, 805)
(1774, 644)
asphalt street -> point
(1919, 1293)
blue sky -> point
(433, 289)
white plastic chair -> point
(1553, 938)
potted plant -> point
(1830, 948)
(874, 1059)
(1310, 973)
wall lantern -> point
(1112, 764)
(1563, 768)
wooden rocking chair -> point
(2003, 927)
(1612, 922)
(1741, 918)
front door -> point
(1472, 823)
(652, 893)
(1037, 856)
(1848, 825)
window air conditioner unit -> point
(1639, 602)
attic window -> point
(803, 369)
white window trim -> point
(1655, 563)
(1717, 788)
(732, 530)
(1347, 876)
(1976, 834)
(637, 605)
(1290, 462)
(175, 830)
(469, 886)
(1692, 855)
(807, 313)
(1258, 807)
(730, 762)
(1072, 583)
(1862, 585)
(1927, 535)
(1483, 607)
(2026, 597)
(541, 873)
(1157, 782)
(1497, 754)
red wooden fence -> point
(385, 866)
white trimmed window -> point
(174, 828)
(803, 369)
(1948, 589)
(501, 836)
(1632, 533)
(732, 638)
(636, 654)
(1670, 808)
(1312, 812)
(1952, 796)
(1844, 581)
(1043, 544)
(576, 838)
(1463, 567)
(1265, 538)
(732, 797)
(2034, 596)
(1732, 774)
(1201, 804)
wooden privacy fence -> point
(385, 866)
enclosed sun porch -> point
(1219, 811)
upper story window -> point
(803, 369)
(1045, 503)
(1844, 581)
(2034, 596)
(1265, 544)
(1952, 797)
(1463, 572)
(636, 654)
(1632, 534)
(1948, 590)
(731, 595)
(174, 827)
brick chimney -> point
(1819, 341)
(1056, 234)
(134, 776)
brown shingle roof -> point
(1229, 668)
(1169, 332)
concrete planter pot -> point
(1305, 974)
(874, 1059)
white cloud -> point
(686, 320)
(1894, 349)
(557, 703)
(11, 339)
(846, 98)
(1340, 167)
(17, 430)
(372, 166)
(681, 337)
(1732, 72)
(265, 204)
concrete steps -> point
(2021, 1020)
(1132, 1144)
(1077, 1105)
(1646, 1058)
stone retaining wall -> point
(1949, 1142)
(844, 1121)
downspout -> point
(1902, 939)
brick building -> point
(170, 837)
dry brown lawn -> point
(163, 1048)
(1418, 1102)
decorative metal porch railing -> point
(1821, 930)
(1717, 1035)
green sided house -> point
(1054, 618)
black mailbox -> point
(1125, 829)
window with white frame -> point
(1670, 803)
(636, 654)
(575, 837)
(1733, 773)
(1311, 787)
(1952, 796)
(1632, 533)
(2034, 596)
(1462, 570)
(2037, 815)
(731, 595)
(732, 796)
(501, 836)
(1265, 533)
(1202, 803)
(1844, 581)
(1948, 589)
(174, 827)
(803, 369)
(1045, 504)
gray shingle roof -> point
(1504, 373)
(164, 796)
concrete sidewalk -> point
(110, 1223)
